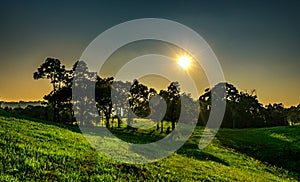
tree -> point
(276, 115)
(120, 96)
(242, 108)
(152, 94)
(172, 98)
(250, 110)
(293, 114)
(53, 70)
(84, 99)
(64, 95)
(139, 99)
(204, 107)
(189, 109)
(103, 97)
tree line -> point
(243, 110)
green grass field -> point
(45, 151)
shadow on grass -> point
(279, 146)
(136, 136)
(192, 151)
(189, 149)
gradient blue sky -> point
(256, 42)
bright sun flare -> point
(184, 61)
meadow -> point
(48, 151)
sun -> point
(184, 62)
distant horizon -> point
(22, 101)
(257, 94)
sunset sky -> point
(257, 42)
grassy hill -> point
(45, 151)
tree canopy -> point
(242, 109)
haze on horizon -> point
(257, 43)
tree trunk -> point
(54, 112)
(119, 122)
(162, 127)
(173, 125)
(129, 119)
(107, 120)
(118, 117)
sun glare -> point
(184, 61)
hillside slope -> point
(45, 151)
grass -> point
(45, 151)
(279, 146)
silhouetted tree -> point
(204, 107)
(120, 94)
(103, 97)
(172, 98)
(293, 114)
(139, 99)
(152, 93)
(250, 110)
(189, 109)
(52, 69)
(84, 101)
(276, 115)
(242, 109)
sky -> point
(256, 42)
